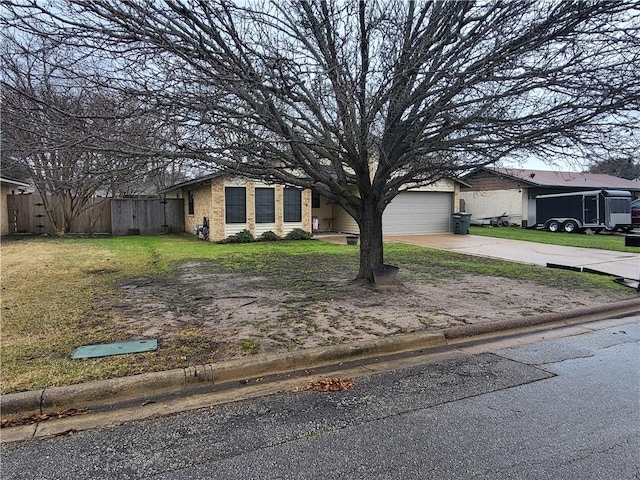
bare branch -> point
(361, 100)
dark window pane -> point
(315, 199)
(190, 202)
(235, 203)
(265, 205)
(292, 205)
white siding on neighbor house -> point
(493, 203)
(418, 212)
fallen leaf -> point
(331, 385)
(41, 417)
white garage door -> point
(418, 212)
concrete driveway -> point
(619, 264)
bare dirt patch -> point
(277, 314)
(206, 303)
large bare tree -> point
(361, 100)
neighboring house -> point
(234, 204)
(10, 187)
(497, 191)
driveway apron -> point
(619, 264)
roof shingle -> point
(546, 178)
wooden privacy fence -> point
(116, 216)
(147, 216)
(26, 214)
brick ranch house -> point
(232, 204)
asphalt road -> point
(563, 408)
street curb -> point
(174, 381)
(579, 315)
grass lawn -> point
(57, 294)
(600, 241)
(61, 293)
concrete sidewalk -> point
(619, 264)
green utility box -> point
(461, 222)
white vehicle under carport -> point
(594, 209)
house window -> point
(315, 199)
(235, 204)
(190, 202)
(292, 205)
(265, 205)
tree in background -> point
(362, 100)
(623, 167)
(9, 167)
(70, 139)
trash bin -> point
(461, 222)
(352, 239)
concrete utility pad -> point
(619, 264)
(119, 348)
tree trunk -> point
(61, 214)
(371, 249)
